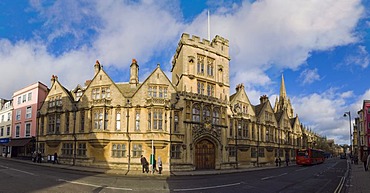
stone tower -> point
(202, 67)
(200, 73)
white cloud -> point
(357, 105)
(347, 94)
(122, 30)
(134, 31)
(324, 114)
(281, 34)
(29, 62)
(360, 58)
(309, 76)
(263, 35)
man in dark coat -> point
(144, 164)
(56, 158)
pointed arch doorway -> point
(205, 155)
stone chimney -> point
(239, 87)
(134, 73)
(97, 67)
(53, 79)
(87, 82)
(263, 99)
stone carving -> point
(206, 129)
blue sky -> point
(321, 47)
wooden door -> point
(205, 155)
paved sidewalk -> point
(359, 179)
(139, 172)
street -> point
(23, 177)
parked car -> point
(342, 156)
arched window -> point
(206, 113)
(216, 116)
(196, 113)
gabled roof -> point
(258, 108)
(240, 91)
(278, 115)
(77, 88)
(232, 96)
(126, 90)
(158, 68)
(56, 82)
(96, 74)
(292, 121)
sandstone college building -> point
(191, 122)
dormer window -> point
(78, 94)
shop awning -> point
(18, 142)
(4, 140)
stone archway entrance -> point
(205, 155)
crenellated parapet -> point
(218, 46)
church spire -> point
(282, 87)
(283, 104)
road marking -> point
(93, 185)
(269, 177)
(283, 174)
(208, 187)
(301, 169)
(342, 180)
(29, 173)
(266, 178)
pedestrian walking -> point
(154, 165)
(277, 161)
(55, 158)
(34, 156)
(159, 165)
(287, 159)
(364, 160)
(39, 157)
(144, 164)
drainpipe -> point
(74, 109)
(128, 136)
(37, 131)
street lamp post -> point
(236, 145)
(350, 129)
(238, 130)
(258, 142)
(74, 109)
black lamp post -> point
(236, 145)
(350, 129)
(258, 142)
(74, 110)
(238, 129)
(279, 141)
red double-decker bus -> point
(309, 156)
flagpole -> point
(209, 26)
